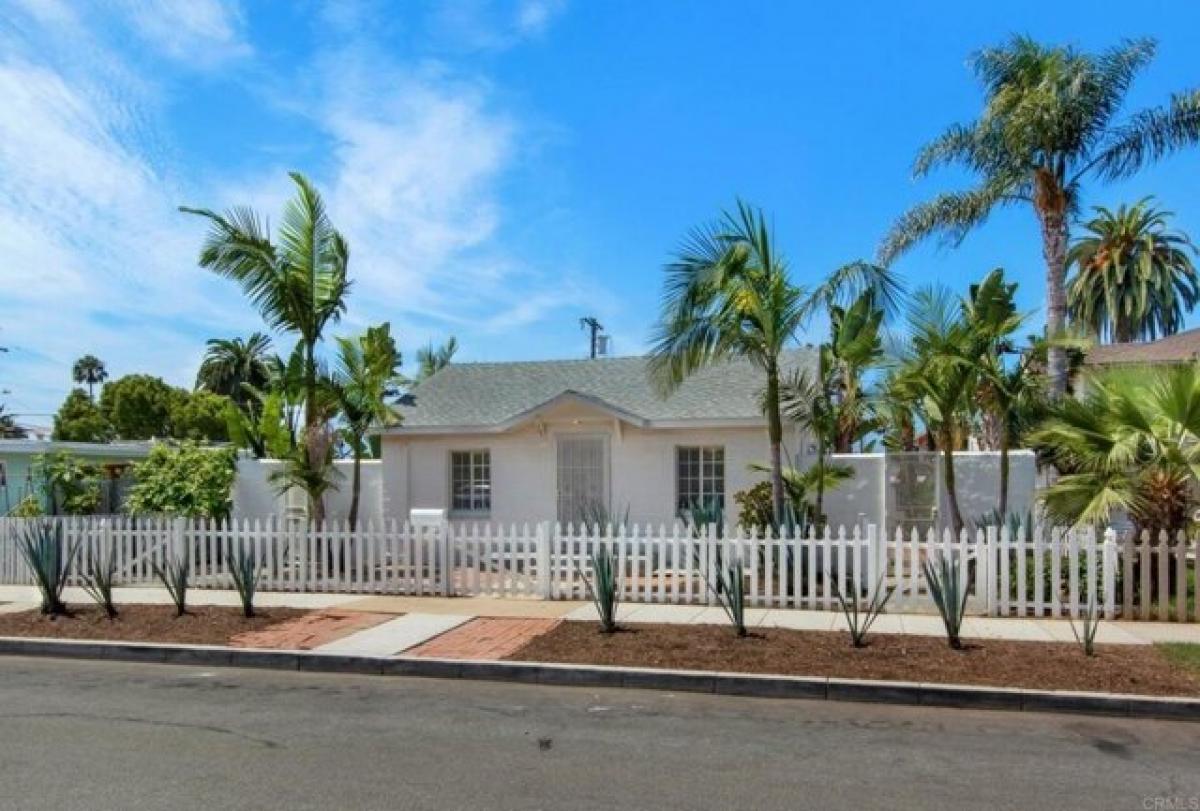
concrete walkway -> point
(17, 598)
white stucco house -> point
(552, 440)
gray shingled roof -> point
(482, 395)
(1179, 348)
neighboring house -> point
(18, 479)
(1182, 347)
(568, 440)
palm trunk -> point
(315, 500)
(355, 486)
(819, 518)
(947, 441)
(775, 436)
(1055, 236)
(1004, 443)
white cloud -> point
(533, 16)
(204, 33)
(96, 258)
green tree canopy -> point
(1134, 278)
(139, 406)
(201, 416)
(80, 420)
(184, 480)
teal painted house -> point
(18, 476)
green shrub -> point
(184, 480)
(602, 588)
(1086, 637)
(860, 621)
(948, 587)
(49, 558)
(99, 579)
(175, 576)
(243, 567)
(756, 508)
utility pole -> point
(588, 322)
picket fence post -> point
(544, 555)
(710, 562)
(447, 534)
(989, 564)
(1110, 572)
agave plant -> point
(860, 620)
(49, 557)
(243, 567)
(1086, 637)
(99, 580)
(948, 587)
(174, 575)
(602, 588)
(729, 587)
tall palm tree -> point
(365, 374)
(299, 284)
(234, 367)
(1134, 279)
(1128, 445)
(431, 359)
(89, 371)
(1048, 125)
(728, 295)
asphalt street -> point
(95, 735)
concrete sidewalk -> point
(17, 598)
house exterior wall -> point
(641, 466)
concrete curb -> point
(692, 681)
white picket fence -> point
(1047, 572)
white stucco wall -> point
(254, 496)
(977, 474)
(860, 500)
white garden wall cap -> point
(492, 397)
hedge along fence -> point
(1043, 573)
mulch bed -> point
(202, 625)
(1139, 669)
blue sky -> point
(500, 168)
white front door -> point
(582, 478)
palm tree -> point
(1048, 125)
(728, 295)
(364, 376)
(431, 359)
(1128, 445)
(234, 367)
(855, 345)
(949, 344)
(89, 371)
(807, 401)
(299, 285)
(1134, 280)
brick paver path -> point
(310, 630)
(484, 638)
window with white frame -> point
(471, 481)
(700, 478)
